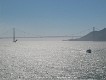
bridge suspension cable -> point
(5, 34)
(24, 34)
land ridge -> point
(93, 36)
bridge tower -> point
(14, 35)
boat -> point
(89, 51)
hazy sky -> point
(52, 17)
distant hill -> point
(93, 36)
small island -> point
(93, 36)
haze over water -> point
(52, 60)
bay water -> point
(52, 60)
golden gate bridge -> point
(17, 33)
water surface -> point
(52, 60)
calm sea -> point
(52, 60)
